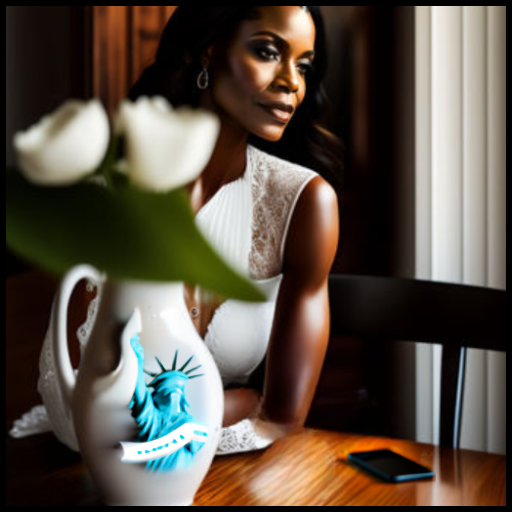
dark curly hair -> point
(173, 74)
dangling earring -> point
(203, 79)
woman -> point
(217, 58)
(266, 200)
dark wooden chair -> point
(455, 316)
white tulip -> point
(64, 147)
(165, 147)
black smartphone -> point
(390, 465)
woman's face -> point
(264, 68)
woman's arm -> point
(300, 332)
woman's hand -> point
(239, 404)
(272, 429)
(245, 427)
(242, 403)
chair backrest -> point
(455, 316)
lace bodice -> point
(276, 187)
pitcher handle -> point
(64, 368)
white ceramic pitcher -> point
(101, 403)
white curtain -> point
(461, 196)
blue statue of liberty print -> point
(164, 410)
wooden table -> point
(309, 468)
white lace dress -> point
(246, 221)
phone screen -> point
(390, 465)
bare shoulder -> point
(313, 234)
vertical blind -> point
(461, 197)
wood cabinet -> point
(113, 45)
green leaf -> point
(129, 234)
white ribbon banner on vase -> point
(170, 443)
